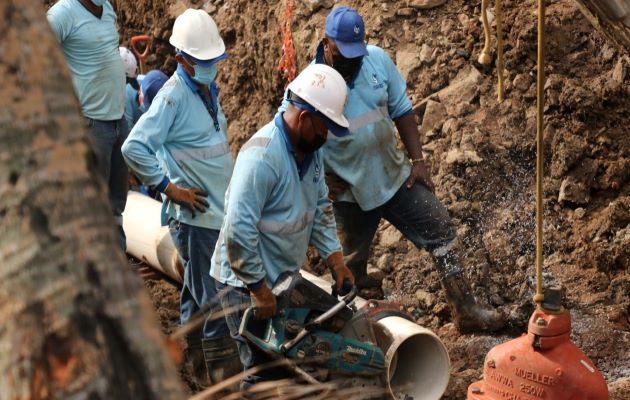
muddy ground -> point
(482, 155)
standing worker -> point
(185, 131)
(278, 204)
(86, 30)
(371, 178)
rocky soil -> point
(482, 155)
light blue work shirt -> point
(132, 108)
(369, 158)
(275, 208)
(90, 45)
(183, 139)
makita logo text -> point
(355, 350)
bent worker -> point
(180, 148)
(138, 99)
(86, 30)
(277, 204)
(370, 178)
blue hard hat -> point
(345, 26)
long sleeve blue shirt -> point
(90, 46)
(275, 208)
(132, 108)
(183, 139)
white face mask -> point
(98, 3)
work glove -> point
(192, 199)
(336, 185)
(264, 301)
(344, 280)
(420, 173)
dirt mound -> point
(482, 153)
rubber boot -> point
(221, 357)
(195, 359)
(468, 314)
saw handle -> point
(317, 322)
(142, 55)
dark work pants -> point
(195, 245)
(416, 212)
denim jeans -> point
(415, 212)
(107, 138)
(195, 246)
(234, 301)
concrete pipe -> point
(147, 240)
(417, 361)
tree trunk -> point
(610, 19)
(76, 322)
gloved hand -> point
(264, 301)
(193, 199)
(344, 280)
(336, 185)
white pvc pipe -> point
(147, 240)
(417, 362)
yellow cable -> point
(484, 57)
(499, 50)
(540, 84)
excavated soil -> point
(482, 155)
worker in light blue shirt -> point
(180, 148)
(138, 100)
(86, 30)
(278, 204)
(371, 178)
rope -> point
(540, 102)
(499, 50)
(484, 57)
(287, 63)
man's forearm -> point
(409, 135)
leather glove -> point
(193, 199)
(344, 280)
(336, 185)
(264, 301)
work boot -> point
(468, 314)
(221, 357)
(195, 359)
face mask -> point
(310, 146)
(205, 75)
(99, 3)
(346, 66)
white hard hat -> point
(324, 89)
(129, 62)
(196, 34)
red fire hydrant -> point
(543, 364)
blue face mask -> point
(99, 3)
(205, 75)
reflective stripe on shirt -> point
(200, 153)
(286, 227)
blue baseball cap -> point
(151, 84)
(345, 26)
